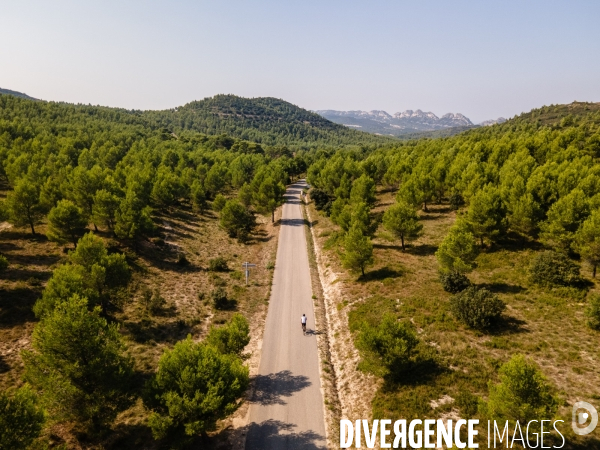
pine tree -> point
(363, 191)
(269, 197)
(458, 250)
(105, 208)
(78, 365)
(588, 240)
(23, 205)
(195, 386)
(66, 222)
(487, 214)
(401, 220)
(358, 250)
(21, 418)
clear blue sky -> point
(481, 58)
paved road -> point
(286, 411)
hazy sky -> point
(481, 58)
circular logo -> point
(580, 417)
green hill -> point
(16, 94)
(265, 120)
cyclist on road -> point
(303, 321)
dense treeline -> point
(85, 165)
(527, 200)
(71, 169)
(528, 176)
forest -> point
(496, 230)
(464, 267)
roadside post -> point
(247, 267)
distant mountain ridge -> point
(400, 123)
(487, 123)
(16, 94)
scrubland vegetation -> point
(123, 308)
(467, 267)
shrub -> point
(218, 264)
(219, 202)
(454, 282)
(3, 263)
(232, 337)
(467, 403)
(392, 342)
(270, 265)
(593, 312)
(523, 394)
(219, 298)
(21, 418)
(552, 268)
(478, 308)
(153, 301)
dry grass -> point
(546, 325)
(185, 288)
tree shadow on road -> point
(272, 388)
(274, 434)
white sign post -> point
(247, 267)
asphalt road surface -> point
(286, 410)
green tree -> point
(237, 220)
(458, 251)
(21, 418)
(487, 214)
(358, 250)
(66, 222)
(523, 394)
(78, 365)
(84, 184)
(67, 280)
(198, 197)
(167, 188)
(564, 218)
(195, 386)
(392, 343)
(132, 219)
(219, 202)
(245, 195)
(524, 215)
(105, 273)
(215, 180)
(588, 240)
(231, 337)
(23, 205)
(92, 273)
(401, 220)
(353, 214)
(363, 191)
(105, 208)
(268, 197)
